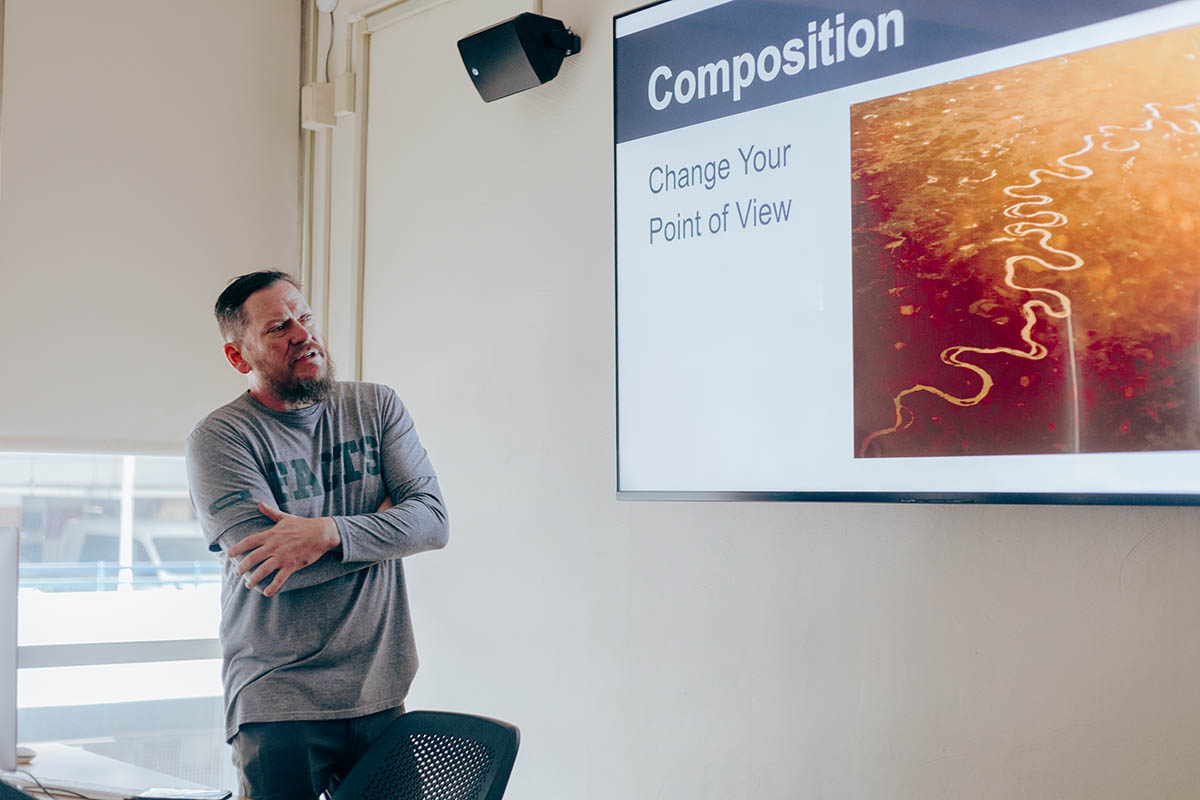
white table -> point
(94, 775)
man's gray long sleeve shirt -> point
(336, 641)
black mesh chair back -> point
(435, 755)
(9, 793)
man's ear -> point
(234, 354)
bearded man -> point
(313, 490)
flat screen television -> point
(908, 250)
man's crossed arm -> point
(302, 552)
(287, 547)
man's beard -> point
(301, 392)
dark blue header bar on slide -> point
(748, 54)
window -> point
(119, 604)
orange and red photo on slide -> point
(1026, 263)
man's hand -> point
(290, 545)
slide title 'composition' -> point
(827, 44)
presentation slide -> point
(909, 250)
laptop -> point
(9, 550)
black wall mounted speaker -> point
(516, 54)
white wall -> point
(150, 153)
(715, 650)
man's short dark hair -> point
(228, 309)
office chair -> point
(435, 755)
(10, 793)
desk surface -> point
(62, 763)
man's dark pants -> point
(299, 760)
